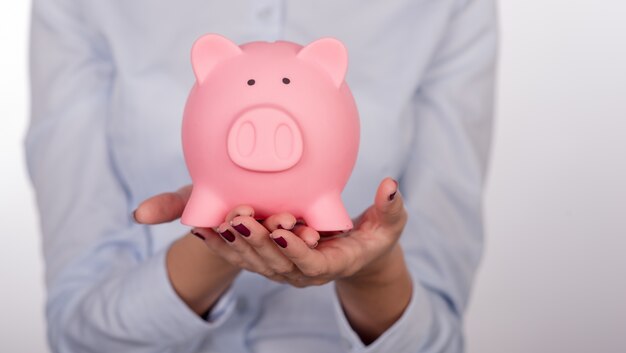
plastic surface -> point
(270, 125)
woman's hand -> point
(367, 264)
(162, 208)
(283, 250)
(198, 275)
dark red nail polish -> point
(198, 234)
(393, 195)
(281, 242)
(242, 230)
(228, 235)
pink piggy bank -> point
(270, 125)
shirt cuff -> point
(406, 335)
(157, 305)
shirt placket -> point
(267, 17)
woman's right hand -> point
(162, 208)
(198, 274)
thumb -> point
(162, 208)
(388, 203)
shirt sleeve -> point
(442, 186)
(107, 291)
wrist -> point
(198, 276)
(383, 271)
(364, 297)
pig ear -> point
(330, 55)
(208, 51)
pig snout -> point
(265, 139)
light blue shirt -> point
(109, 82)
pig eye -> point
(286, 80)
(251, 82)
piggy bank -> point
(270, 125)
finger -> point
(220, 248)
(310, 236)
(311, 262)
(241, 210)
(389, 205)
(257, 236)
(213, 241)
(249, 256)
(280, 221)
(163, 208)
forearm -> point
(198, 275)
(133, 307)
(375, 300)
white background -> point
(554, 273)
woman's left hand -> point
(367, 264)
(298, 259)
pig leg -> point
(204, 209)
(328, 214)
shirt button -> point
(265, 13)
(242, 306)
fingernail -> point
(194, 232)
(242, 230)
(393, 195)
(280, 241)
(228, 235)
